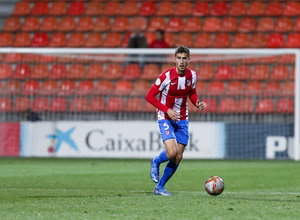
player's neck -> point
(181, 73)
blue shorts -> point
(178, 130)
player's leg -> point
(167, 133)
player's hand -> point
(200, 105)
(173, 115)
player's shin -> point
(161, 158)
(169, 170)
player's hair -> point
(182, 49)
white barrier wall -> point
(115, 139)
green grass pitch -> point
(122, 189)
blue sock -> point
(170, 169)
(162, 157)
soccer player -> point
(174, 85)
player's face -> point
(181, 61)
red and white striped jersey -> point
(174, 91)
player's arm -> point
(195, 100)
(151, 98)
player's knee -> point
(178, 158)
(172, 154)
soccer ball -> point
(214, 185)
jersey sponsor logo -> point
(157, 82)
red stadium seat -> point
(5, 71)
(245, 105)
(21, 104)
(58, 8)
(115, 104)
(235, 88)
(227, 105)
(95, 71)
(76, 40)
(229, 24)
(184, 38)
(49, 87)
(6, 39)
(5, 104)
(201, 87)
(58, 71)
(85, 87)
(219, 9)
(253, 88)
(76, 71)
(58, 40)
(237, 9)
(246, 25)
(121, 24)
(201, 9)
(12, 87)
(129, 8)
(22, 40)
(147, 9)
(104, 87)
(293, 40)
(102, 24)
(240, 40)
(221, 40)
(241, 72)
(113, 71)
(192, 24)
(122, 87)
(170, 39)
(131, 72)
(66, 24)
(134, 104)
(224, 72)
(22, 9)
(291, 9)
(150, 72)
(79, 104)
(30, 58)
(40, 9)
(175, 24)
(12, 24)
(265, 25)
(183, 9)
(40, 104)
(112, 40)
(22, 71)
(296, 27)
(279, 72)
(157, 23)
(111, 8)
(96, 104)
(210, 105)
(94, 8)
(211, 24)
(265, 106)
(275, 41)
(285, 105)
(283, 24)
(165, 8)
(273, 9)
(260, 72)
(286, 59)
(206, 72)
(39, 40)
(39, 71)
(258, 41)
(30, 87)
(140, 87)
(272, 88)
(47, 59)
(76, 9)
(31, 24)
(67, 87)
(49, 24)
(140, 22)
(12, 57)
(203, 41)
(59, 104)
(288, 88)
(84, 24)
(93, 40)
(216, 88)
(256, 8)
